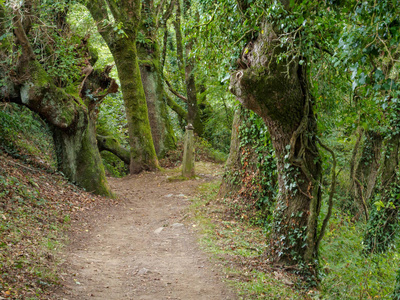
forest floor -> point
(144, 247)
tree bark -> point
(366, 173)
(186, 67)
(123, 48)
(149, 54)
(280, 95)
(110, 144)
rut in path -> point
(143, 248)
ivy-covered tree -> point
(279, 92)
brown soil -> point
(144, 247)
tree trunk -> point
(280, 95)
(366, 173)
(149, 54)
(186, 68)
(192, 105)
(232, 165)
(74, 133)
(383, 223)
(123, 48)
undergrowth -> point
(348, 274)
(203, 152)
(36, 207)
(25, 136)
(239, 245)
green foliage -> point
(383, 223)
(112, 118)
(113, 165)
(24, 135)
(396, 292)
(347, 274)
(253, 180)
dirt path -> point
(144, 248)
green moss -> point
(40, 77)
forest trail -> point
(143, 248)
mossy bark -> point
(162, 132)
(78, 156)
(77, 153)
(188, 153)
(123, 48)
(280, 95)
(110, 144)
(143, 154)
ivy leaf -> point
(379, 205)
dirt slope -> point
(144, 247)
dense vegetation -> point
(302, 95)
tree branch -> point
(176, 107)
(110, 144)
(174, 91)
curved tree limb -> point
(332, 193)
(110, 144)
(173, 91)
(182, 113)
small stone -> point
(143, 271)
(158, 230)
(169, 195)
(181, 195)
(176, 225)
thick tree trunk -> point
(143, 155)
(123, 48)
(78, 156)
(74, 134)
(279, 94)
(150, 70)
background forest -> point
(300, 98)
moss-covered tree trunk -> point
(122, 44)
(280, 95)
(150, 70)
(74, 134)
(78, 156)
